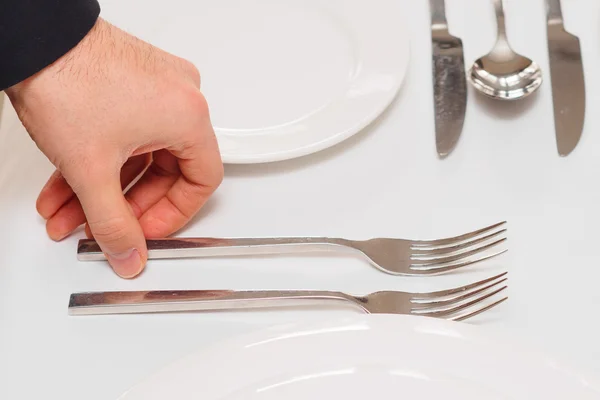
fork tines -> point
(442, 255)
(460, 303)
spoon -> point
(502, 73)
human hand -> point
(103, 113)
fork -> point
(454, 304)
(394, 256)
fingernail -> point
(127, 264)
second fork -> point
(455, 304)
(393, 256)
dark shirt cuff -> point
(36, 33)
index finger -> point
(201, 173)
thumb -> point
(113, 224)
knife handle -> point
(554, 12)
(438, 14)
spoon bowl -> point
(502, 73)
(509, 79)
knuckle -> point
(189, 104)
(191, 193)
(216, 176)
(109, 231)
(193, 110)
(193, 72)
(211, 180)
(198, 104)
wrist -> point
(38, 32)
(64, 63)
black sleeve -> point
(35, 33)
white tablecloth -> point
(386, 181)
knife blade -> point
(449, 81)
(568, 81)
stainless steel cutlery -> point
(449, 81)
(455, 304)
(502, 73)
(568, 83)
(394, 256)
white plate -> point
(368, 357)
(283, 78)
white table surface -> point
(385, 181)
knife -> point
(449, 81)
(568, 84)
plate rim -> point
(377, 321)
(404, 43)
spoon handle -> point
(554, 11)
(438, 14)
(500, 18)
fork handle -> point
(96, 303)
(89, 250)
